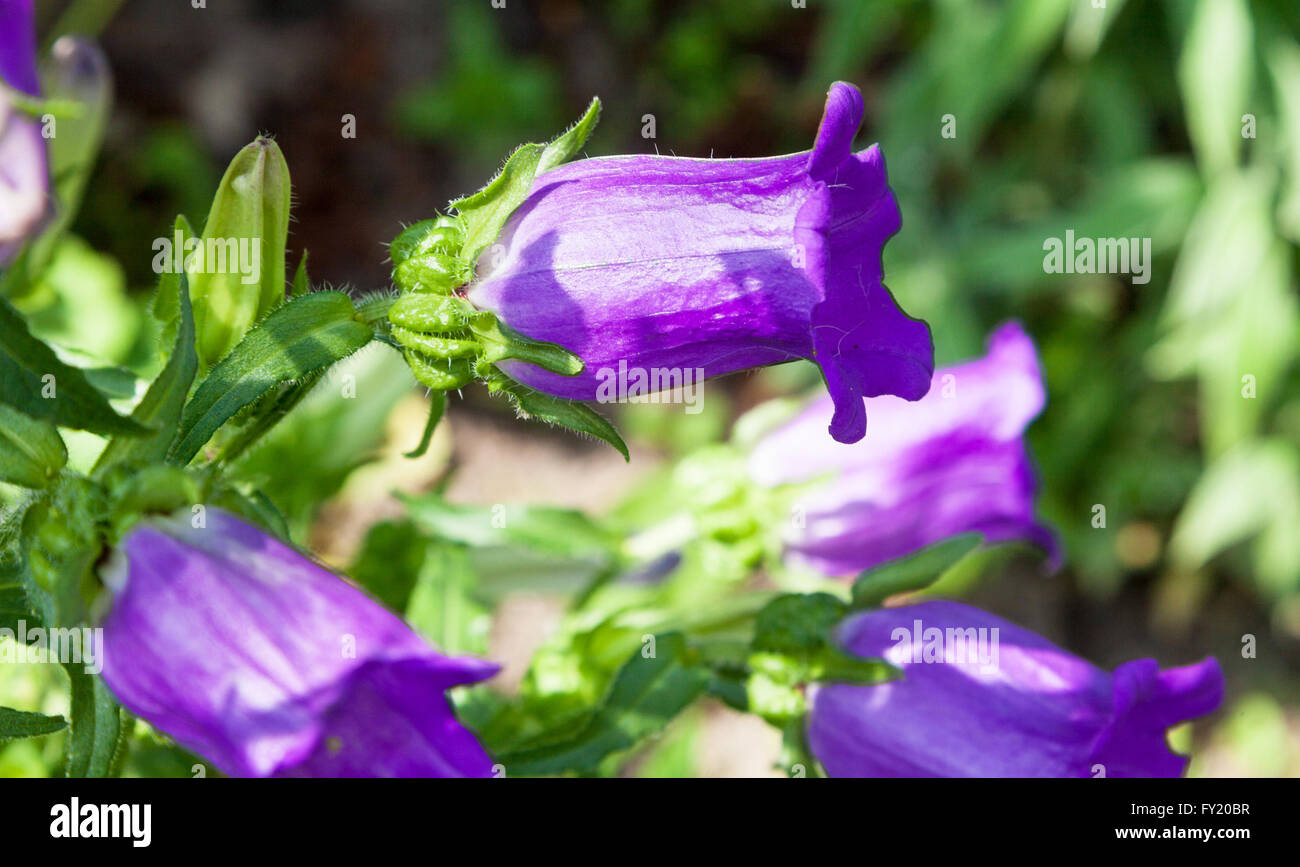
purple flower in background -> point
(251, 655)
(24, 183)
(952, 463)
(981, 697)
(673, 264)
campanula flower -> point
(655, 263)
(24, 181)
(256, 658)
(954, 462)
(981, 697)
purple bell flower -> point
(685, 265)
(952, 463)
(258, 659)
(24, 180)
(981, 697)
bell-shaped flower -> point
(981, 697)
(251, 655)
(953, 462)
(668, 269)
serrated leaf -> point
(645, 695)
(567, 413)
(21, 724)
(307, 334)
(485, 213)
(910, 573)
(29, 370)
(97, 729)
(162, 404)
(31, 451)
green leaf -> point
(21, 724)
(797, 623)
(915, 572)
(31, 451)
(162, 405)
(567, 532)
(307, 334)
(566, 413)
(1214, 74)
(165, 309)
(301, 282)
(35, 381)
(646, 694)
(484, 213)
(98, 733)
(389, 562)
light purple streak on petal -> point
(952, 462)
(23, 175)
(1030, 709)
(721, 265)
(250, 654)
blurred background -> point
(1173, 404)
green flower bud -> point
(236, 270)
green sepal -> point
(304, 335)
(31, 451)
(484, 213)
(437, 406)
(556, 410)
(500, 342)
(911, 573)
